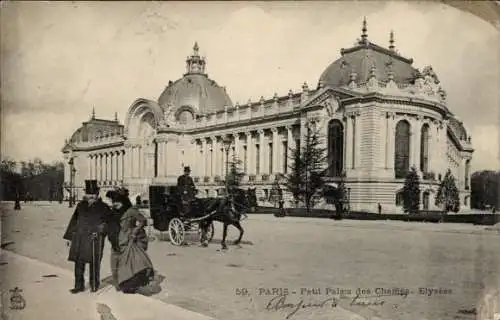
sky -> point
(61, 59)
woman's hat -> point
(118, 195)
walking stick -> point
(94, 235)
(96, 240)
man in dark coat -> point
(86, 231)
(187, 190)
(121, 203)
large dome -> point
(195, 89)
(367, 58)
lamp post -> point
(71, 177)
(227, 144)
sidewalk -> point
(45, 289)
(384, 224)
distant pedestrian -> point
(86, 231)
(379, 208)
(17, 202)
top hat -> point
(187, 169)
(91, 187)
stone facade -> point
(374, 127)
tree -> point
(485, 187)
(447, 195)
(235, 174)
(411, 192)
(34, 178)
(336, 195)
(8, 165)
(307, 169)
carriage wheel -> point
(210, 232)
(176, 231)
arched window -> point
(467, 171)
(402, 149)
(424, 148)
(185, 117)
(335, 148)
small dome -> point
(367, 59)
(195, 89)
(458, 127)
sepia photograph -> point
(246, 160)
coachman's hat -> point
(91, 187)
(187, 169)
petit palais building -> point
(378, 114)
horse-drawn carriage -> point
(167, 216)
(165, 210)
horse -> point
(227, 210)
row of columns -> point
(109, 166)
(134, 161)
(261, 151)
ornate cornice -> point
(379, 98)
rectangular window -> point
(257, 161)
(354, 144)
(156, 160)
(222, 164)
(285, 156)
(245, 159)
(211, 162)
(270, 157)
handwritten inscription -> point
(366, 301)
(292, 300)
(280, 302)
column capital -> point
(274, 129)
(353, 114)
(261, 132)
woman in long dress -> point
(135, 269)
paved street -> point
(460, 262)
